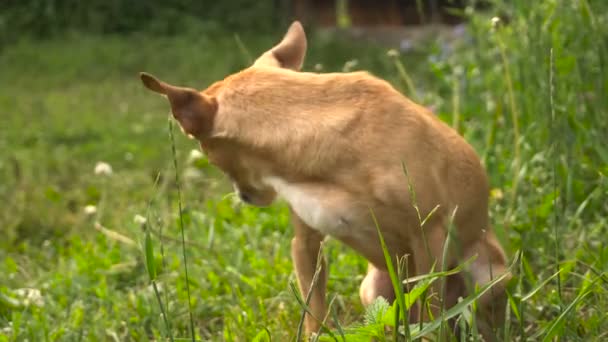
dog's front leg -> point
(304, 251)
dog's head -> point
(197, 113)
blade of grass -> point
(181, 227)
(243, 49)
(422, 222)
(149, 255)
(456, 102)
(263, 335)
(404, 75)
(514, 118)
(394, 279)
(444, 258)
(554, 178)
(522, 304)
(457, 309)
(334, 317)
(151, 267)
(114, 235)
(151, 264)
(412, 193)
(553, 329)
(514, 306)
(454, 270)
(313, 283)
(507, 331)
(400, 266)
(306, 308)
(540, 286)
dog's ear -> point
(193, 110)
(289, 53)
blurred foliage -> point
(74, 100)
(45, 18)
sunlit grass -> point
(73, 262)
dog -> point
(339, 147)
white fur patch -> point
(308, 207)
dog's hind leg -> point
(377, 283)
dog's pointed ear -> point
(290, 52)
(193, 110)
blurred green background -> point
(85, 156)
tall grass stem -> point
(515, 122)
(181, 227)
(554, 168)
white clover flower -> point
(7, 330)
(140, 219)
(90, 209)
(350, 65)
(30, 296)
(495, 22)
(103, 169)
(392, 53)
(159, 287)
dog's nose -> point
(244, 197)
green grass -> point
(530, 96)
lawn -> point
(529, 95)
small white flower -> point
(318, 67)
(7, 330)
(30, 296)
(392, 53)
(103, 169)
(350, 65)
(495, 22)
(195, 155)
(90, 209)
(490, 105)
(140, 219)
(159, 287)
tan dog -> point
(333, 146)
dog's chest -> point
(315, 206)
